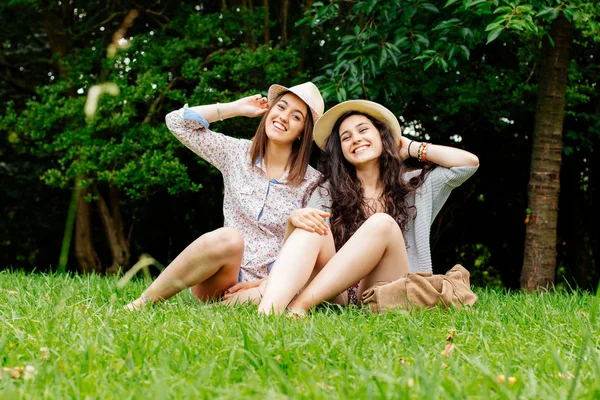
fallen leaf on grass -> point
(511, 379)
(451, 335)
(278, 357)
(27, 373)
(9, 291)
(448, 350)
(568, 375)
(410, 383)
(324, 386)
(44, 353)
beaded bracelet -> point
(422, 152)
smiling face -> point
(360, 140)
(285, 122)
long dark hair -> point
(298, 162)
(348, 206)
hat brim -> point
(275, 90)
(324, 126)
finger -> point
(304, 226)
(323, 214)
(234, 288)
(320, 225)
(314, 223)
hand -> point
(252, 106)
(240, 286)
(309, 219)
(404, 143)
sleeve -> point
(441, 181)
(192, 130)
(454, 176)
(320, 198)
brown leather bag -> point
(422, 289)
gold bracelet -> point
(219, 112)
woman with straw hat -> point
(265, 180)
(381, 213)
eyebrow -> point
(287, 104)
(357, 126)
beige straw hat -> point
(324, 127)
(307, 91)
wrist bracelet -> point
(410, 144)
(424, 153)
(219, 112)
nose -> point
(283, 116)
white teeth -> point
(361, 149)
(279, 125)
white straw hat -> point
(323, 127)
(307, 91)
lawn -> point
(79, 343)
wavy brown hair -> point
(348, 206)
(298, 161)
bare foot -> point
(136, 305)
(296, 314)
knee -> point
(225, 241)
(382, 222)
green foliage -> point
(126, 144)
(377, 36)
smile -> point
(279, 126)
(360, 149)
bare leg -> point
(302, 256)
(210, 265)
(376, 252)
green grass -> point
(183, 349)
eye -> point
(280, 106)
(296, 117)
(344, 138)
(362, 130)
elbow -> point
(472, 161)
(170, 120)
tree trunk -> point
(266, 22)
(539, 263)
(87, 258)
(304, 39)
(113, 227)
(284, 19)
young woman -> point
(381, 213)
(265, 180)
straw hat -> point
(324, 127)
(307, 91)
